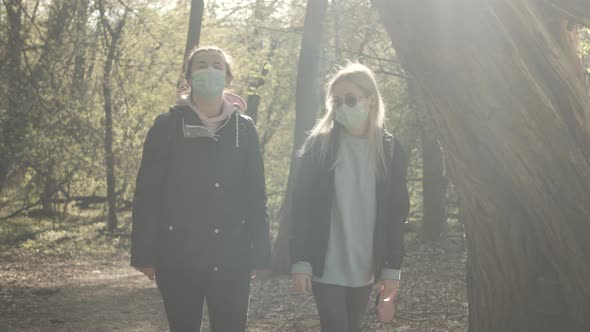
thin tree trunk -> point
(336, 11)
(253, 101)
(307, 105)
(12, 126)
(512, 115)
(78, 84)
(115, 35)
(108, 147)
(3, 174)
(194, 26)
(49, 190)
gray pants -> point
(341, 309)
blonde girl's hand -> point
(388, 286)
(302, 283)
(263, 274)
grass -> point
(80, 233)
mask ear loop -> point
(237, 130)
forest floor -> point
(74, 278)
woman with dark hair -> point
(199, 212)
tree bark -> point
(307, 105)
(194, 26)
(337, 27)
(578, 9)
(79, 86)
(256, 83)
(513, 119)
(3, 174)
(434, 183)
(433, 189)
(49, 190)
(12, 127)
(113, 42)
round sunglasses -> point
(348, 100)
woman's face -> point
(347, 93)
(351, 107)
(206, 59)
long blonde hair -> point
(321, 135)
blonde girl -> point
(350, 203)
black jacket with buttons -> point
(200, 201)
(312, 202)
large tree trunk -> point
(512, 116)
(307, 104)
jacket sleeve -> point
(147, 201)
(400, 205)
(256, 196)
(302, 184)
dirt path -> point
(74, 295)
(105, 294)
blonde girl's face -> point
(345, 92)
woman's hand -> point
(388, 287)
(302, 283)
(263, 274)
(149, 272)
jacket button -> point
(216, 231)
(171, 228)
(215, 269)
(216, 184)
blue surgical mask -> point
(208, 83)
(352, 117)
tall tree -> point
(261, 12)
(194, 26)
(257, 82)
(307, 105)
(112, 36)
(12, 125)
(512, 116)
(41, 76)
(78, 85)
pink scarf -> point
(213, 123)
